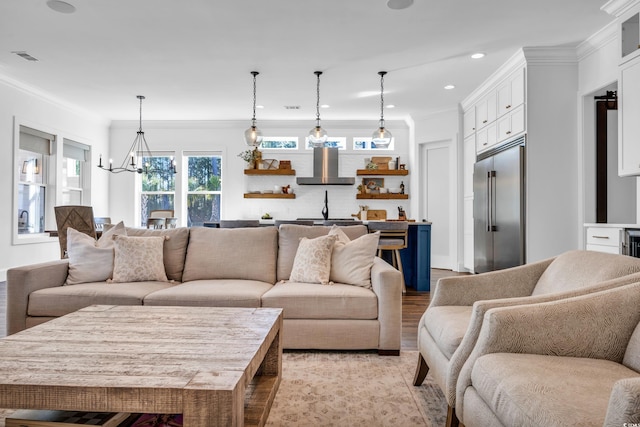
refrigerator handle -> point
(492, 182)
(489, 202)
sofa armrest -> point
(624, 403)
(508, 283)
(597, 325)
(480, 308)
(21, 281)
(386, 282)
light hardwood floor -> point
(413, 305)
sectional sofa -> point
(242, 267)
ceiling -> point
(192, 59)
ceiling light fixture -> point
(253, 135)
(399, 4)
(478, 55)
(317, 135)
(381, 136)
(133, 160)
(449, 87)
(61, 6)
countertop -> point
(609, 225)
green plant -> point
(248, 155)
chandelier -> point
(317, 135)
(253, 135)
(134, 160)
(381, 137)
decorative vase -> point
(251, 164)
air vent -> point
(292, 107)
(25, 55)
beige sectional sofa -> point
(242, 267)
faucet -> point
(23, 218)
(325, 210)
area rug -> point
(351, 389)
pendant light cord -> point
(140, 97)
(382, 73)
(253, 119)
(318, 73)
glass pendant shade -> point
(381, 137)
(317, 136)
(253, 135)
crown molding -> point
(619, 7)
(598, 40)
(557, 55)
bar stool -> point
(393, 237)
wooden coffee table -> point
(217, 366)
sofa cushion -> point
(313, 301)
(351, 260)
(289, 236)
(531, 389)
(175, 248)
(232, 253)
(632, 354)
(211, 293)
(139, 259)
(61, 300)
(312, 263)
(447, 325)
(579, 269)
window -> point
(158, 187)
(33, 160)
(204, 188)
(74, 182)
(366, 144)
(280, 143)
(338, 142)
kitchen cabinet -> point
(604, 239)
(416, 258)
(511, 124)
(469, 122)
(486, 111)
(628, 114)
(511, 93)
(486, 137)
(469, 153)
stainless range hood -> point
(325, 169)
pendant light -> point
(381, 137)
(253, 135)
(132, 161)
(317, 135)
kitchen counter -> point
(610, 225)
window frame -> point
(138, 191)
(185, 187)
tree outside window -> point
(158, 187)
(204, 188)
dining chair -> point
(161, 213)
(100, 221)
(156, 223)
(393, 237)
(171, 222)
(279, 222)
(80, 218)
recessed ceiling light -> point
(390, 106)
(325, 106)
(477, 55)
(399, 4)
(449, 87)
(61, 6)
(259, 106)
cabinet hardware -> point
(485, 143)
(484, 121)
(508, 106)
(600, 237)
(508, 132)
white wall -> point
(33, 108)
(226, 137)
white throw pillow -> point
(351, 260)
(91, 260)
(312, 263)
(139, 259)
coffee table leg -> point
(214, 399)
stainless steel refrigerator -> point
(498, 208)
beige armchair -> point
(450, 326)
(567, 362)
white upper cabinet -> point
(469, 122)
(511, 93)
(486, 110)
(628, 119)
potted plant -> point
(251, 156)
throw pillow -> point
(312, 263)
(351, 260)
(91, 260)
(139, 259)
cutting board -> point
(374, 215)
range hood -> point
(325, 169)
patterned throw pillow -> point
(91, 260)
(312, 263)
(139, 259)
(351, 260)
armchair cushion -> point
(532, 389)
(447, 325)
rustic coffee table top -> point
(217, 366)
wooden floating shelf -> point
(382, 196)
(268, 196)
(269, 171)
(374, 172)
